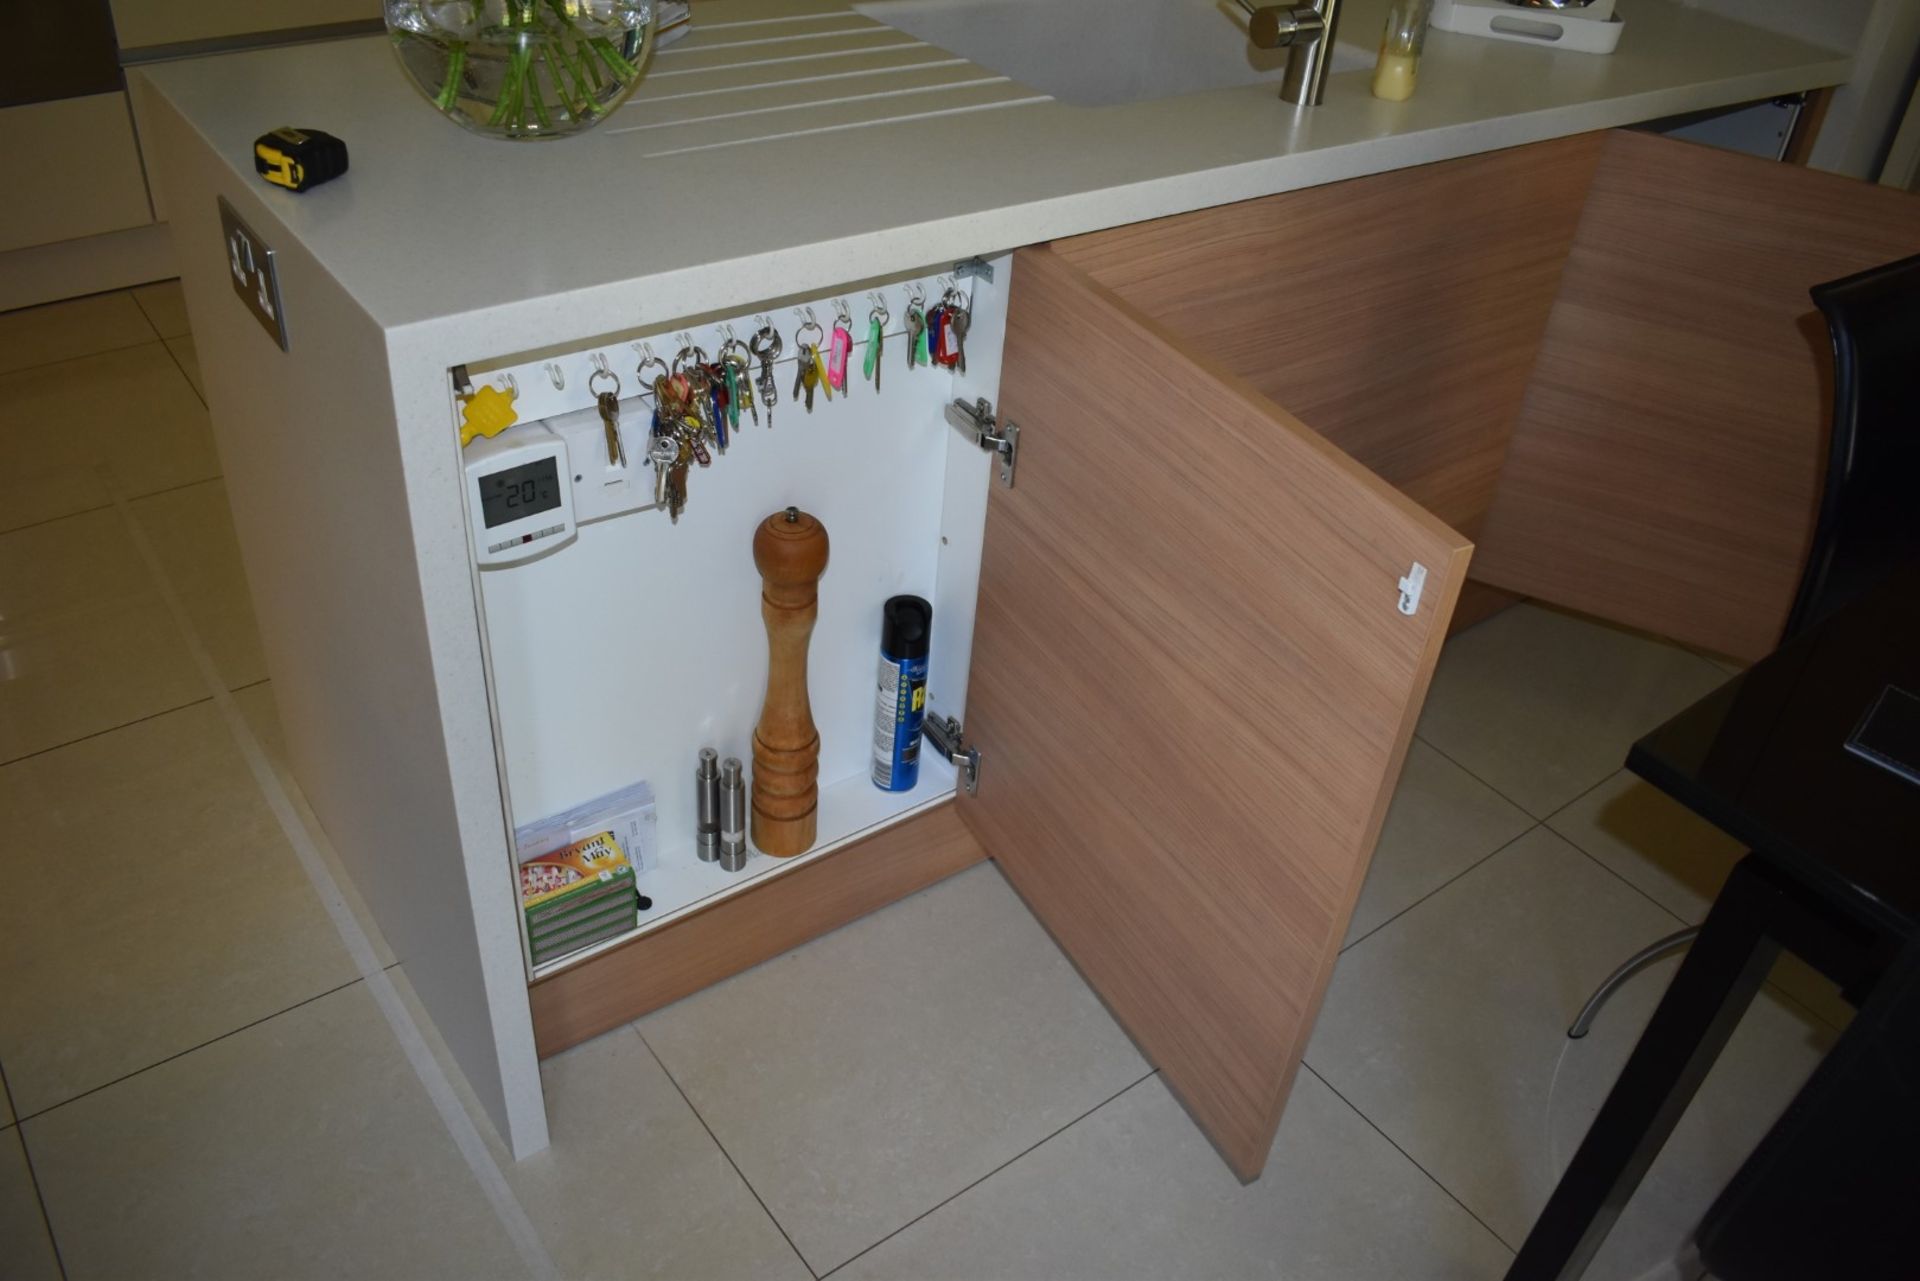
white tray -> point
(1594, 29)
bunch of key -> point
(697, 402)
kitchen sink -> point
(1096, 53)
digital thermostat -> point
(519, 494)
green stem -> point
(450, 91)
(534, 96)
(559, 55)
(622, 70)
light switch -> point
(251, 268)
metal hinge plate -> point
(950, 741)
(977, 422)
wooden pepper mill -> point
(790, 551)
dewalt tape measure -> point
(298, 158)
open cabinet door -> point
(1192, 688)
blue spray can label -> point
(900, 706)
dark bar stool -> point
(1834, 873)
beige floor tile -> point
(191, 529)
(859, 1080)
(633, 1185)
(1442, 822)
(165, 306)
(63, 330)
(73, 567)
(26, 1251)
(303, 1146)
(130, 411)
(1656, 844)
(1542, 705)
(1447, 1029)
(88, 673)
(85, 642)
(263, 718)
(1680, 861)
(205, 925)
(1135, 1191)
(188, 357)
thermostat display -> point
(526, 490)
(519, 494)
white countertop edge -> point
(655, 301)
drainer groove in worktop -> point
(730, 85)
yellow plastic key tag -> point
(488, 412)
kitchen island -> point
(742, 179)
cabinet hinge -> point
(977, 423)
(947, 738)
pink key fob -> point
(838, 348)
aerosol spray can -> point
(906, 627)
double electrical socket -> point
(250, 265)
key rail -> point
(549, 386)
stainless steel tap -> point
(1307, 32)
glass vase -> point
(523, 68)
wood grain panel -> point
(1398, 314)
(1191, 687)
(738, 933)
(1666, 466)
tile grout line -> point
(738, 1172)
(1042, 1142)
(1484, 783)
(180, 1054)
(1536, 826)
(108, 506)
(1445, 1190)
(138, 720)
(33, 1177)
(181, 365)
(460, 1126)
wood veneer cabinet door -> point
(1192, 688)
(1665, 469)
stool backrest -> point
(1869, 519)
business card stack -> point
(577, 896)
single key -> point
(806, 374)
(765, 348)
(916, 335)
(743, 387)
(713, 424)
(677, 479)
(662, 453)
(876, 336)
(958, 318)
(839, 347)
(609, 405)
(820, 378)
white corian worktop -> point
(752, 164)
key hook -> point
(599, 361)
(647, 360)
(554, 376)
(508, 385)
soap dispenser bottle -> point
(1398, 66)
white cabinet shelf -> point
(850, 809)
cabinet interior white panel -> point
(78, 170)
(617, 657)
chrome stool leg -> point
(1640, 960)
